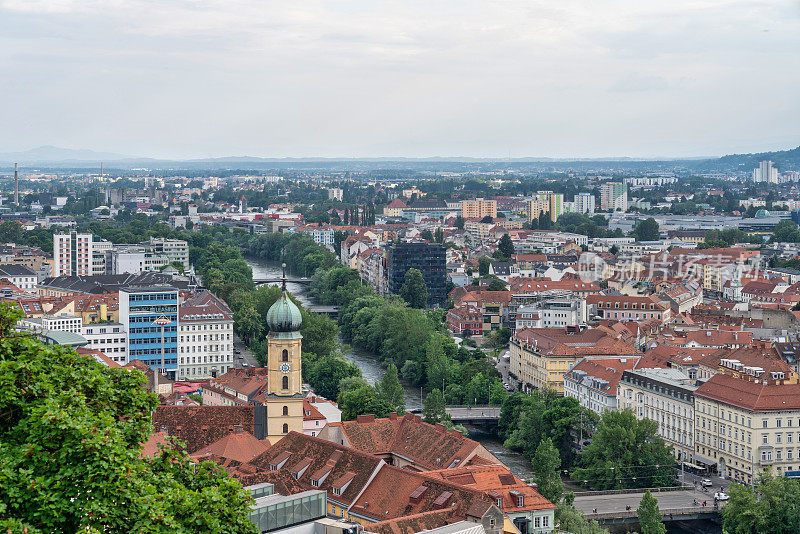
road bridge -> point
(473, 414)
(277, 280)
(610, 508)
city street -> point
(245, 356)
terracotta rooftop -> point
(497, 479)
(305, 456)
(749, 394)
(428, 446)
(238, 445)
(200, 426)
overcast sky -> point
(559, 78)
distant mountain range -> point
(56, 157)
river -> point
(372, 370)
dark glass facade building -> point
(428, 258)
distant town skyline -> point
(401, 79)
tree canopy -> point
(414, 291)
(772, 506)
(647, 230)
(71, 431)
(625, 452)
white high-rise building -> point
(73, 254)
(584, 203)
(765, 173)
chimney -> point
(104, 312)
(16, 186)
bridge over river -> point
(278, 280)
(676, 505)
(473, 414)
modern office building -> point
(479, 208)
(139, 310)
(428, 258)
(613, 196)
(584, 203)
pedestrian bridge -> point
(473, 414)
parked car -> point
(706, 482)
(721, 496)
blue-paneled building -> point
(139, 310)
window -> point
(285, 382)
(764, 439)
(778, 438)
(778, 423)
(285, 356)
(285, 410)
(285, 428)
(763, 423)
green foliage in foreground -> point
(771, 507)
(70, 437)
(650, 520)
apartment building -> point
(109, 338)
(72, 254)
(594, 382)
(21, 276)
(665, 396)
(176, 250)
(584, 203)
(551, 312)
(478, 208)
(628, 308)
(205, 339)
(539, 357)
(614, 196)
(745, 425)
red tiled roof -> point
(428, 446)
(497, 479)
(200, 426)
(238, 445)
(753, 395)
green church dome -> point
(284, 315)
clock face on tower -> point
(285, 368)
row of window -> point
(206, 359)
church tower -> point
(284, 382)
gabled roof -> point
(200, 426)
(499, 480)
(396, 492)
(327, 458)
(427, 446)
(238, 445)
(753, 395)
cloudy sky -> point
(559, 78)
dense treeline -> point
(413, 340)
